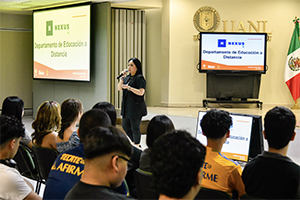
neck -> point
(282, 151)
(72, 127)
(215, 144)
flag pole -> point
(296, 105)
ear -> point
(293, 137)
(228, 134)
(199, 177)
(12, 144)
(114, 163)
(264, 135)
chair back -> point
(206, 193)
(143, 182)
(44, 158)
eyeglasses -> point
(124, 158)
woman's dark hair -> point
(13, 106)
(69, 111)
(157, 126)
(138, 65)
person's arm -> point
(236, 182)
(120, 84)
(33, 196)
(136, 91)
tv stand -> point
(229, 100)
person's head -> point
(135, 66)
(71, 111)
(157, 126)
(92, 119)
(176, 162)
(110, 147)
(279, 124)
(109, 109)
(216, 123)
(11, 130)
(13, 106)
(47, 120)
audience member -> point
(176, 160)
(157, 126)
(273, 175)
(46, 125)
(69, 165)
(71, 112)
(14, 105)
(219, 173)
(107, 151)
(12, 184)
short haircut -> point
(157, 126)
(215, 123)
(11, 128)
(176, 159)
(13, 106)
(105, 140)
(47, 120)
(109, 109)
(92, 119)
(280, 124)
(70, 109)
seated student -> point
(219, 173)
(176, 160)
(46, 125)
(106, 151)
(12, 184)
(14, 105)
(69, 165)
(71, 112)
(157, 126)
(273, 175)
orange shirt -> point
(220, 173)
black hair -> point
(91, 119)
(280, 123)
(10, 128)
(105, 140)
(157, 126)
(138, 65)
(109, 109)
(215, 123)
(13, 106)
(176, 159)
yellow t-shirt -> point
(220, 173)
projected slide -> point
(237, 145)
(242, 52)
(62, 44)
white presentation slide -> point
(245, 52)
(237, 145)
(61, 42)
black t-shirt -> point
(85, 191)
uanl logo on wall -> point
(207, 19)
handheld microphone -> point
(126, 70)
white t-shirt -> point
(12, 184)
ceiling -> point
(27, 6)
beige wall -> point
(180, 54)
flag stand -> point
(296, 105)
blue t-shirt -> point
(66, 172)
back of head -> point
(47, 120)
(10, 128)
(92, 119)
(109, 109)
(138, 65)
(70, 109)
(105, 140)
(13, 106)
(157, 126)
(176, 159)
(279, 124)
(215, 123)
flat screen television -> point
(61, 43)
(232, 52)
(245, 141)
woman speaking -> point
(133, 103)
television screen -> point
(232, 52)
(245, 140)
(61, 40)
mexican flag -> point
(292, 66)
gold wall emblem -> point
(206, 19)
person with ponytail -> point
(71, 112)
